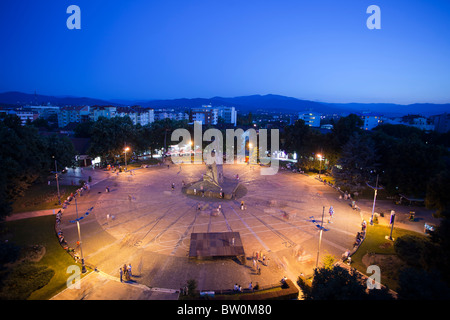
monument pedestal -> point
(213, 185)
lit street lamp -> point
(125, 151)
(320, 163)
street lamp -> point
(320, 163)
(376, 188)
(83, 267)
(125, 150)
(57, 182)
(320, 237)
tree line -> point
(406, 160)
(27, 157)
(424, 276)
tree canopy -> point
(27, 157)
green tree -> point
(357, 162)
(438, 196)
(110, 136)
(294, 139)
(345, 127)
(26, 157)
(338, 283)
(416, 284)
(84, 129)
(60, 149)
(333, 284)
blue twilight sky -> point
(150, 49)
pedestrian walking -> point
(331, 212)
(125, 272)
(121, 274)
(129, 270)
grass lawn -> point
(40, 231)
(329, 179)
(139, 163)
(42, 197)
(385, 256)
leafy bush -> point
(410, 249)
(20, 281)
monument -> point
(213, 184)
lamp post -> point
(376, 188)
(57, 182)
(320, 163)
(83, 267)
(391, 222)
(320, 237)
(125, 151)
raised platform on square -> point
(216, 244)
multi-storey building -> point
(137, 114)
(205, 115)
(371, 120)
(102, 111)
(228, 114)
(75, 114)
(311, 119)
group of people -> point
(238, 289)
(85, 187)
(346, 256)
(258, 257)
(125, 272)
(59, 233)
(359, 239)
(59, 214)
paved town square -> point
(143, 222)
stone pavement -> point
(101, 286)
(143, 222)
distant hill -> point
(20, 98)
(393, 110)
(254, 103)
